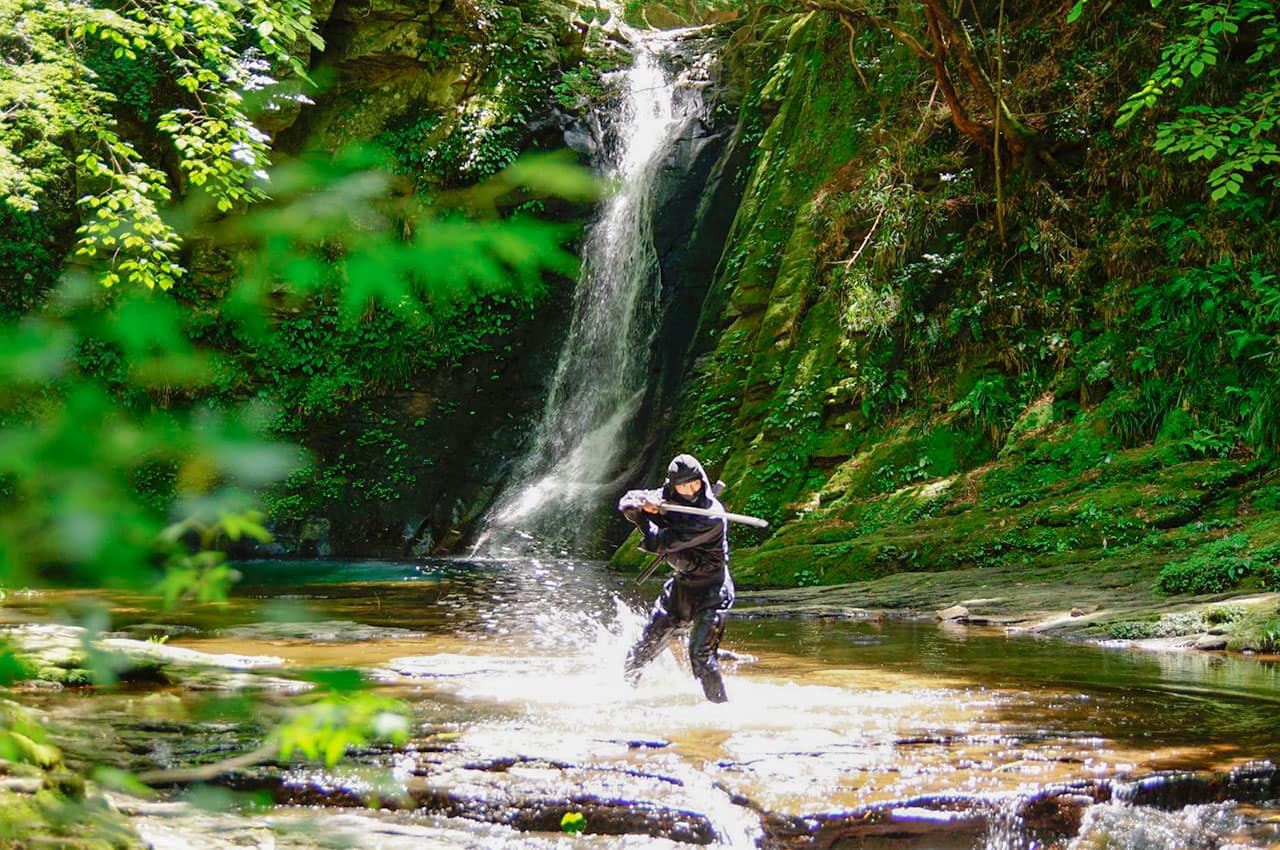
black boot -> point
(704, 646)
(713, 686)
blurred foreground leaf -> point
(343, 716)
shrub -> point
(1203, 575)
(1129, 630)
(1224, 614)
(1216, 567)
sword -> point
(668, 507)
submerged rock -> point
(68, 656)
(327, 631)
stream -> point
(838, 732)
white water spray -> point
(573, 463)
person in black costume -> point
(700, 592)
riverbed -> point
(839, 732)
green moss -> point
(629, 557)
(1147, 512)
(1225, 563)
(52, 820)
(779, 566)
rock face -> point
(455, 91)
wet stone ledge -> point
(1046, 815)
(504, 800)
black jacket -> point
(696, 547)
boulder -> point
(1211, 642)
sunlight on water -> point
(518, 664)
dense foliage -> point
(1002, 291)
(70, 67)
(134, 443)
(992, 299)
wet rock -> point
(1058, 810)
(144, 652)
(1252, 783)
(328, 631)
(59, 654)
(180, 826)
(151, 631)
(950, 817)
(1211, 642)
(524, 794)
(581, 140)
(955, 612)
(1061, 810)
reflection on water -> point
(824, 715)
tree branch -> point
(853, 57)
(961, 46)
(959, 114)
(209, 772)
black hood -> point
(685, 468)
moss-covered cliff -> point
(411, 428)
(913, 360)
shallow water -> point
(521, 662)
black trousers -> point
(702, 610)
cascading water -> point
(574, 463)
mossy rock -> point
(629, 557)
(886, 466)
(1257, 631)
(17, 747)
(1033, 422)
(54, 820)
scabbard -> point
(649, 570)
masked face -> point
(689, 489)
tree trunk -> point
(949, 40)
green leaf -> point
(11, 667)
(573, 822)
(554, 174)
(122, 780)
(341, 680)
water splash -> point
(573, 465)
(1118, 826)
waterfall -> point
(574, 463)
